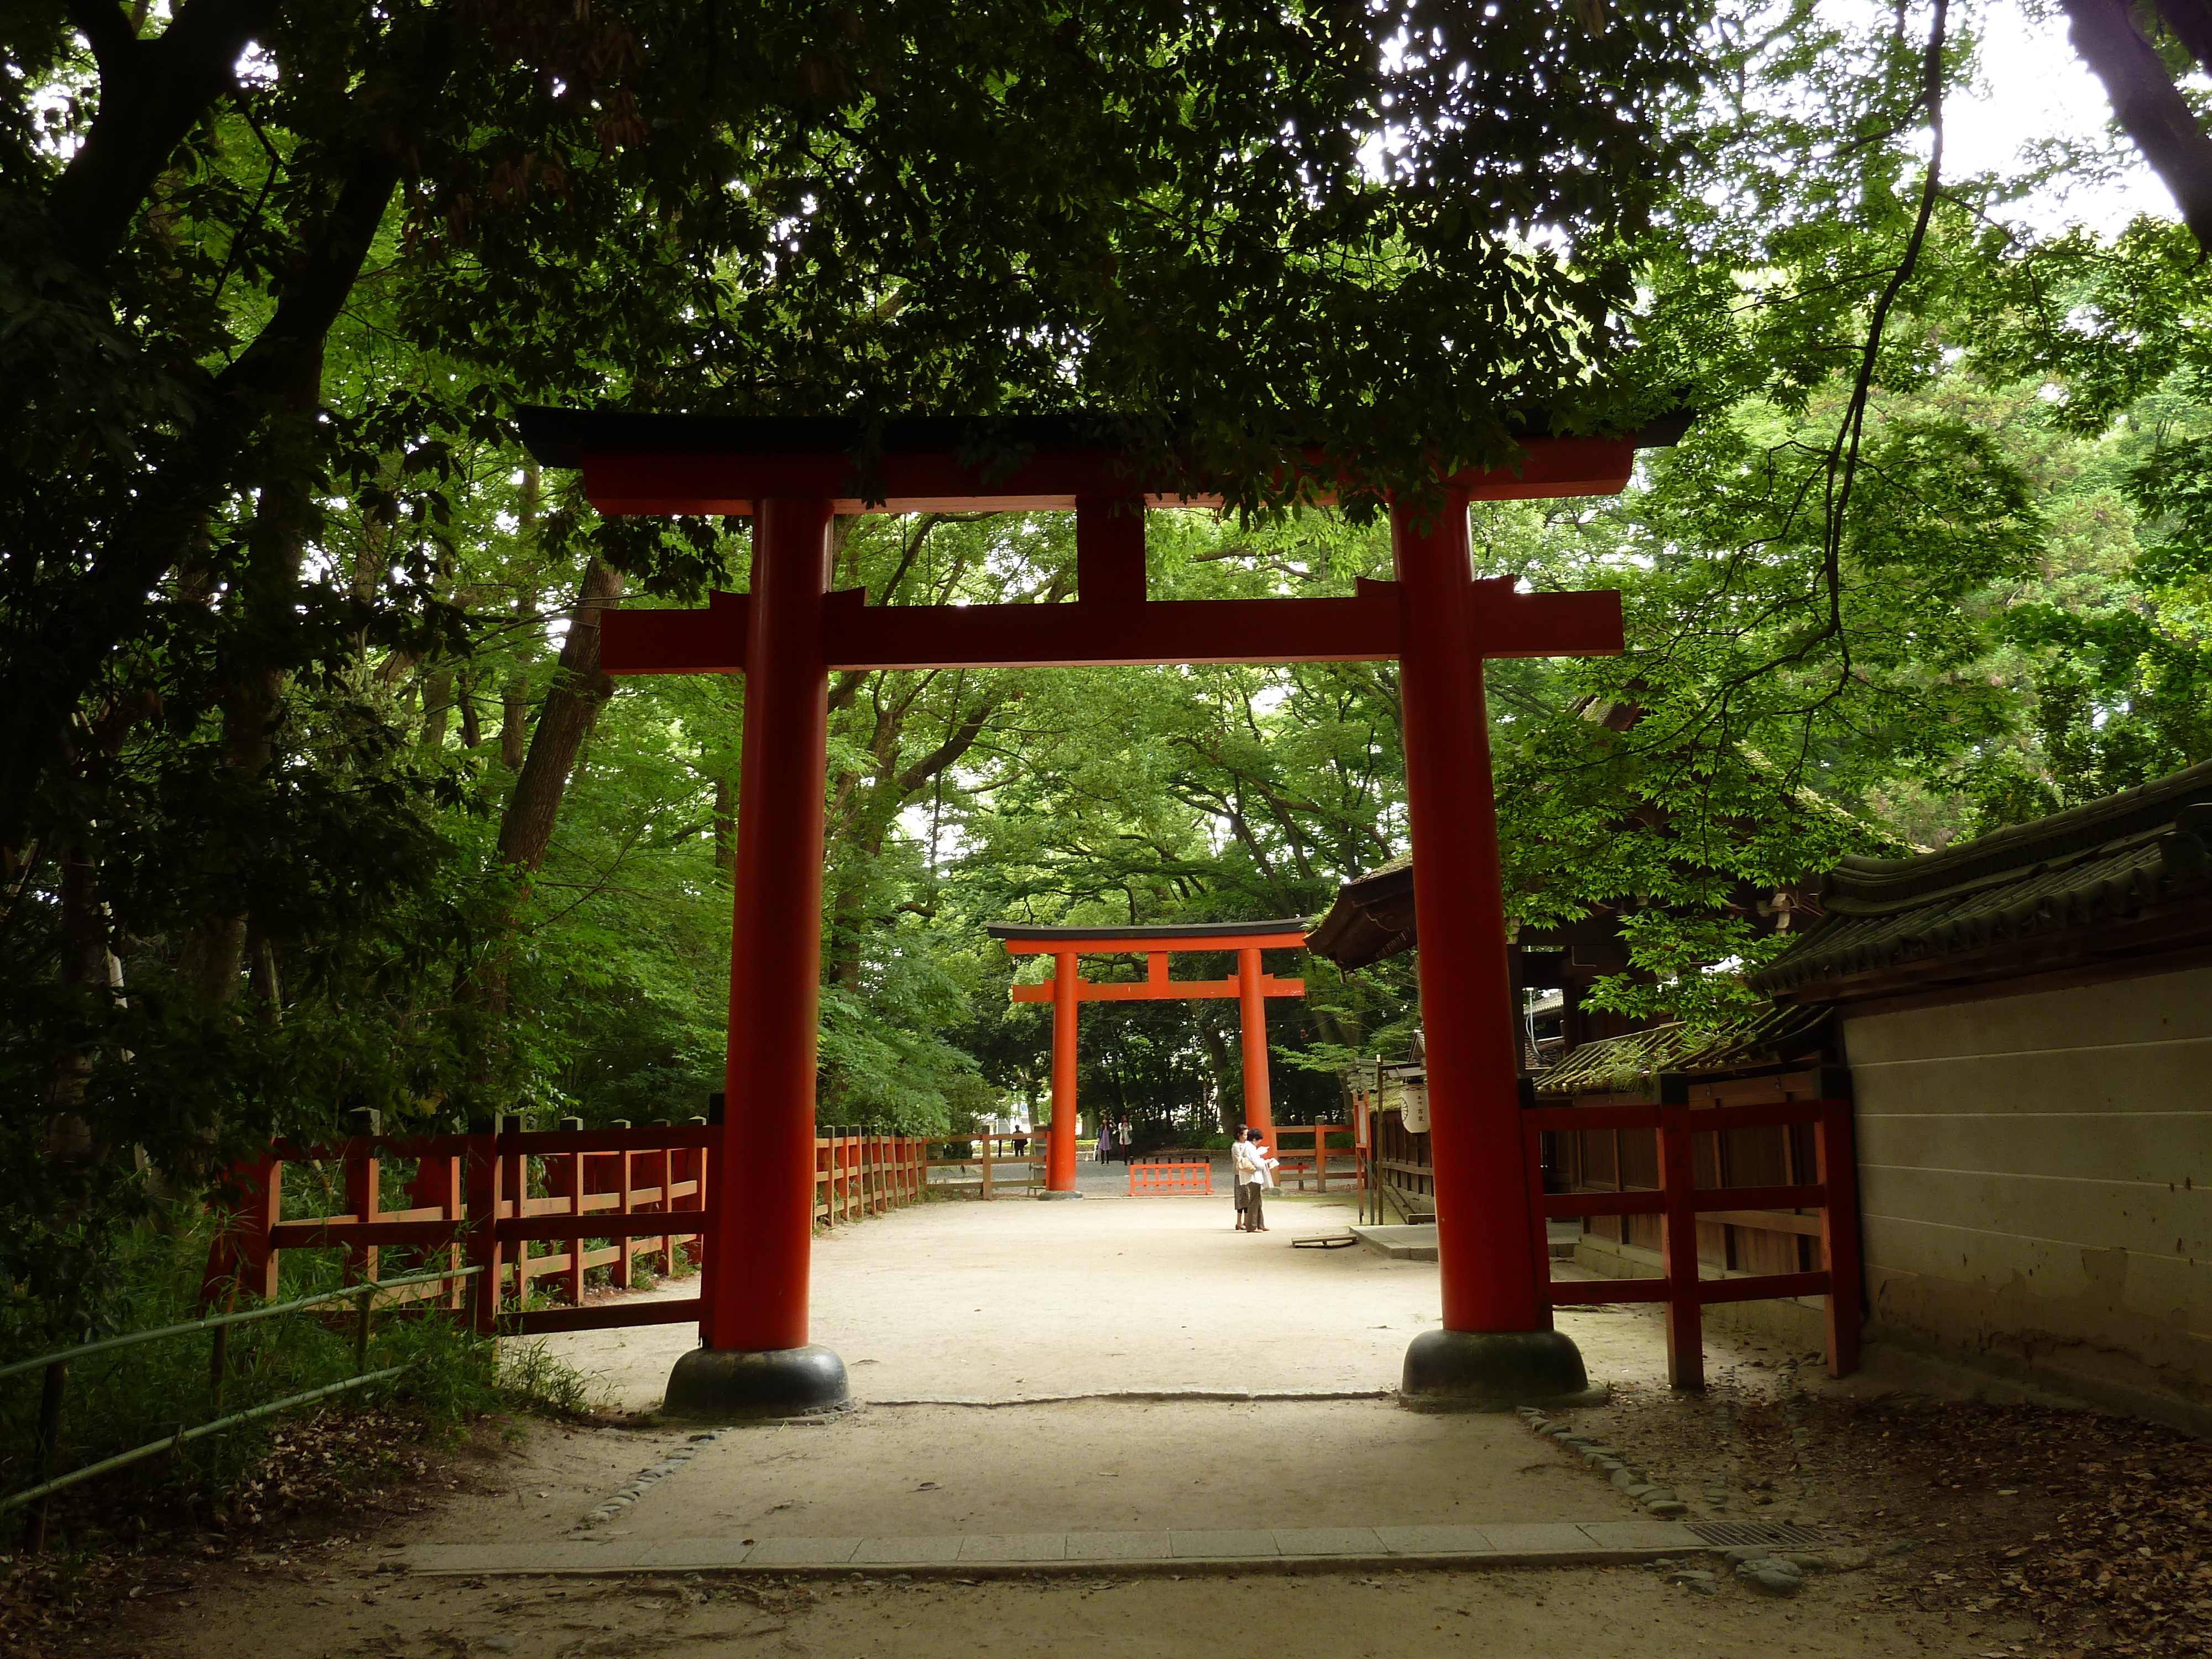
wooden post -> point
(436, 1188)
(1060, 1145)
(482, 1168)
(1840, 1233)
(1252, 1021)
(1532, 1143)
(241, 1256)
(1685, 1349)
(625, 1184)
(565, 1179)
(755, 1292)
(668, 1205)
(1473, 1042)
(363, 1181)
(699, 1164)
(514, 1190)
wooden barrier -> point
(644, 1191)
(1678, 1201)
(865, 1172)
(1155, 1180)
(998, 1166)
(485, 1197)
(1320, 1160)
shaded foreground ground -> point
(1996, 1526)
(1605, 1614)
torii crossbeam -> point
(790, 631)
(1249, 985)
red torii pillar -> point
(1066, 991)
(791, 476)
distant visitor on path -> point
(1105, 1149)
(1253, 1179)
(1124, 1138)
(1021, 1141)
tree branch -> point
(151, 94)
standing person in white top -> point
(1253, 1179)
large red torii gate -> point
(1249, 985)
(790, 631)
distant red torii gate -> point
(1249, 985)
(788, 634)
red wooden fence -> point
(1152, 1179)
(646, 1192)
(1679, 1200)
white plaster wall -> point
(2036, 1179)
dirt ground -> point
(1997, 1525)
(1087, 1465)
(305, 1611)
(2003, 1530)
(1018, 1298)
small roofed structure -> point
(2027, 1020)
(2119, 879)
(1372, 920)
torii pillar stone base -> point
(1495, 1371)
(732, 1385)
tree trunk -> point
(726, 827)
(1228, 1103)
(213, 956)
(514, 722)
(83, 962)
(437, 706)
(2147, 105)
(564, 720)
(471, 723)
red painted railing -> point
(645, 1191)
(1151, 1180)
(1680, 1200)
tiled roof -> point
(2131, 857)
(1371, 919)
(1627, 1062)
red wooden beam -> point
(1115, 632)
(1174, 990)
(1765, 1287)
(538, 1321)
(1078, 945)
(666, 481)
(1564, 1292)
(1562, 1207)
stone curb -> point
(975, 1555)
(1233, 1397)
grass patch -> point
(130, 1397)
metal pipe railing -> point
(132, 1338)
(171, 1443)
(55, 1366)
